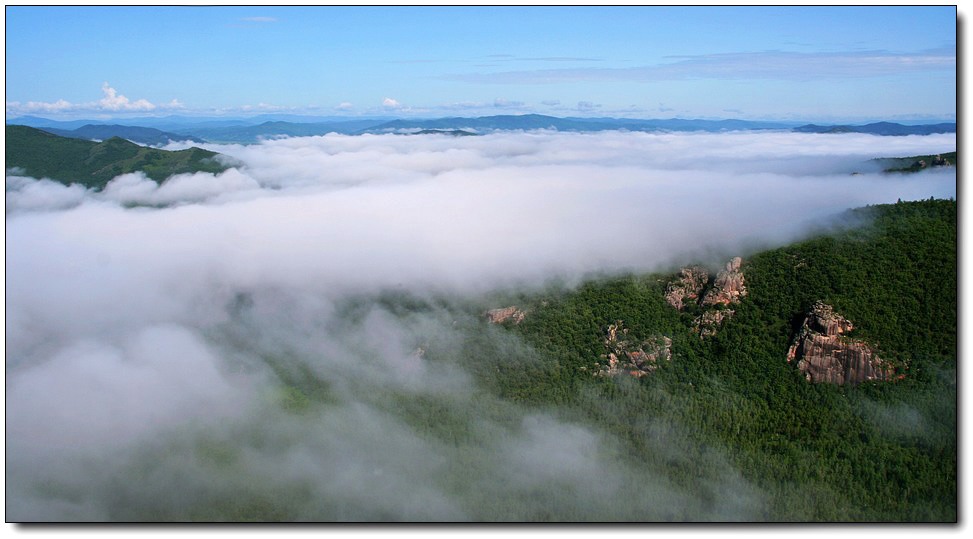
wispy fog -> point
(213, 348)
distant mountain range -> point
(880, 128)
(40, 154)
(251, 130)
(537, 121)
(245, 134)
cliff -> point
(824, 354)
(729, 287)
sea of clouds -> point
(152, 330)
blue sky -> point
(778, 63)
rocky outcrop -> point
(709, 322)
(623, 355)
(729, 286)
(499, 316)
(824, 354)
(689, 286)
(937, 161)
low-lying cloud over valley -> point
(212, 347)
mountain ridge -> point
(253, 129)
(140, 135)
(41, 154)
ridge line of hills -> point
(41, 154)
(156, 131)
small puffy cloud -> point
(111, 101)
(506, 103)
(390, 103)
(587, 106)
(262, 107)
(58, 106)
(116, 102)
(344, 105)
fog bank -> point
(212, 348)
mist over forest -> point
(241, 346)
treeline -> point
(875, 452)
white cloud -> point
(58, 106)
(149, 349)
(113, 101)
(762, 65)
(506, 103)
(390, 103)
(135, 188)
(587, 106)
(344, 105)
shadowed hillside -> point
(93, 164)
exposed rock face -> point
(709, 322)
(823, 354)
(689, 286)
(625, 356)
(938, 161)
(729, 286)
(499, 316)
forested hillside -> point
(877, 451)
(93, 164)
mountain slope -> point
(139, 135)
(917, 162)
(878, 451)
(93, 164)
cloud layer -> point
(111, 102)
(762, 65)
(212, 348)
